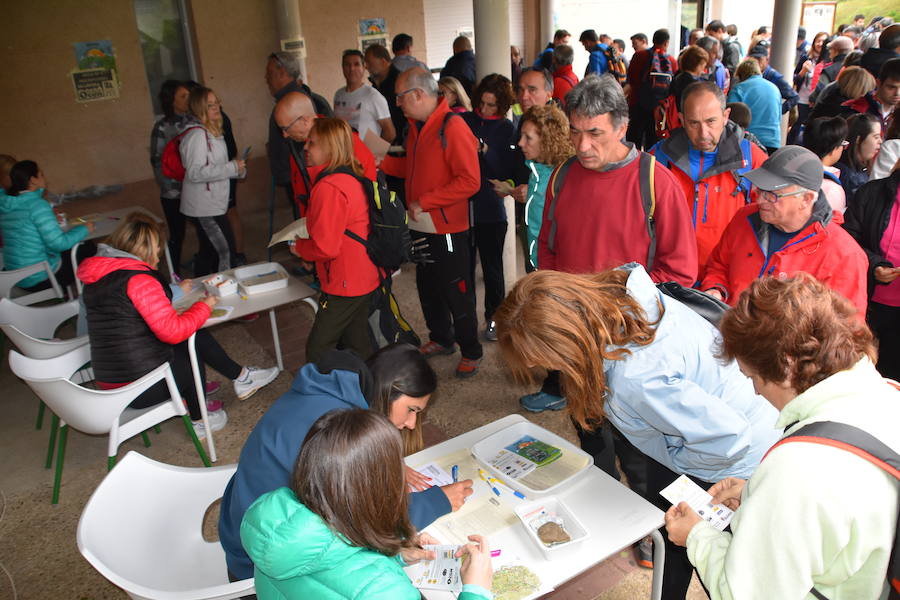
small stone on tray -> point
(552, 533)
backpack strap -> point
(738, 174)
(304, 172)
(647, 177)
(555, 184)
(442, 131)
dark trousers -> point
(488, 238)
(641, 131)
(647, 478)
(446, 292)
(341, 319)
(885, 323)
(216, 242)
(175, 221)
(209, 352)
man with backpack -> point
(442, 172)
(598, 64)
(649, 76)
(564, 78)
(708, 156)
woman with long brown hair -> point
(341, 530)
(337, 204)
(643, 362)
(814, 519)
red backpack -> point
(666, 118)
(172, 167)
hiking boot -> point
(541, 401)
(434, 349)
(490, 332)
(217, 421)
(643, 550)
(253, 380)
(467, 367)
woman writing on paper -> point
(341, 529)
(634, 358)
(133, 327)
(337, 204)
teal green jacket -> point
(32, 234)
(296, 555)
(534, 205)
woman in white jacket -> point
(205, 189)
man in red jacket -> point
(564, 78)
(792, 228)
(442, 173)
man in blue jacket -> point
(339, 381)
(597, 63)
(760, 53)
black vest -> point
(123, 347)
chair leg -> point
(61, 454)
(157, 429)
(197, 444)
(40, 417)
(54, 426)
(146, 439)
(110, 462)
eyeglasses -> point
(403, 93)
(844, 144)
(291, 124)
(772, 197)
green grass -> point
(847, 9)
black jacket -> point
(867, 218)
(829, 103)
(872, 60)
(462, 66)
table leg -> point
(276, 341)
(659, 563)
(201, 396)
(312, 302)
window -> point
(165, 42)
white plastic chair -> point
(142, 530)
(97, 412)
(9, 279)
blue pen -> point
(517, 494)
(485, 479)
(455, 473)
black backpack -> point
(389, 241)
(866, 446)
(657, 81)
(708, 307)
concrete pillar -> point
(287, 20)
(674, 27)
(548, 21)
(783, 52)
(492, 56)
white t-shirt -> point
(361, 108)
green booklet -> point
(534, 450)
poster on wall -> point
(372, 27)
(96, 75)
(373, 40)
(818, 16)
(297, 45)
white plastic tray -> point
(258, 279)
(531, 511)
(573, 461)
(220, 285)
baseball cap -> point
(790, 165)
(760, 49)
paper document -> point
(422, 224)
(685, 490)
(220, 313)
(438, 476)
(377, 144)
(297, 229)
(442, 573)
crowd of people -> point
(647, 170)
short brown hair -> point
(855, 82)
(572, 324)
(747, 69)
(553, 127)
(378, 51)
(795, 330)
(692, 57)
(350, 472)
(336, 137)
(498, 85)
(137, 235)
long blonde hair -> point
(453, 84)
(572, 324)
(197, 102)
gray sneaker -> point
(490, 332)
(254, 380)
(217, 422)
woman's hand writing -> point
(458, 492)
(210, 301)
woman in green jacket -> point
(329, 537)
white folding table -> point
(614, 516)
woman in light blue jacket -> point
(31, 233)
(645, 363)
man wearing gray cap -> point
(790, 228)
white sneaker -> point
(254, 379)
(217, 421)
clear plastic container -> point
(258, 279)
(544, 479)
(532, 514)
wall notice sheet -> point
(685, 490)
